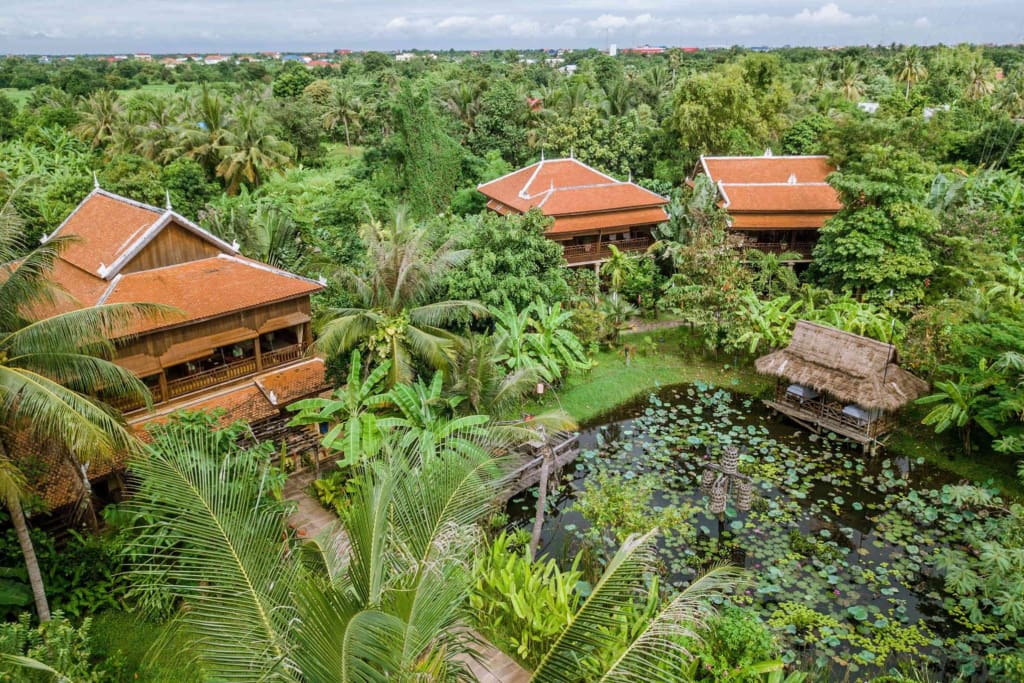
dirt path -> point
(640, 325)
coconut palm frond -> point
(657, 653)
(234, 573)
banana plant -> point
(355, 431)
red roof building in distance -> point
(644, 50)
(777, 203)
(591, 210)
(235, 336)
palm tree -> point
(344, 108)
(51, 371)
(588, 650)
(980, 82)
(387, 606)
(463, 101)
(618, 312)
(910, 68)
(772, 270)
(203, 129)
(490, 388)
(249, 151)
(617, 98)
(398, 317)
(1010, 97)
(851, 82)
(616, 268)
(99, 115)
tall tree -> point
(51, 370)
(399, 316)
(910, 68)
(250, 151)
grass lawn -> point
(678, 360)
(19, 97)
(129, 637)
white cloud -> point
(831, 15)
(922, 22)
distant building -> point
(143, 56)
(569, 69)
(405, 57)
(776, 203)
(591, 210)
(613, 50)
(312, 64)
(343, 51)
(215, 59)
(644, 50)
(868, 107)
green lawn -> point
(19, 97)
(610, 383)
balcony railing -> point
(589, 253)
(802, 248)
(285, 354)
(214, 376)
(207, 378)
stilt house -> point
(840, 382)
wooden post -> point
(542, 500)
(259, 354)
(163, 387)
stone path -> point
(310, 518)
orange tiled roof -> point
(241, 401)
(104, 226)
(589, 222)
(207, 288)
(804, 197)
(561, 187)
(767, 169)
(774, 192)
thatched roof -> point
(845, 365)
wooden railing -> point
(802, 248)
(207, 378)
(588, 253)
(828, 413)
(214, 376)
(283, 355)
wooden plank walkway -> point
(310, 518)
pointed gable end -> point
(113, 233)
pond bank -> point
(674, 357)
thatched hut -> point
(840, 382)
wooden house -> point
(775, 203)
(591, 210)
(237, 341)
(840, 382)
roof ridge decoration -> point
(523, 194)
(802, 183)
(772, 157)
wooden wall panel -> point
(173, 245)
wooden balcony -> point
(802, 248)
(208, 378)
(218, 375)
(825, 413)
(578, 254)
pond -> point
(840, 544)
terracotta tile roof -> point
(207, 288)
(243, 400)
(565, 225)
(110, 229)
(781, 197)
(774, 192)
(105, 226)
(287, 384)
(767, 169)
(778, 221)
(564, 187)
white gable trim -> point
(268, 268)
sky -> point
(156, 26)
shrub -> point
(55, 644)
(519, 604)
